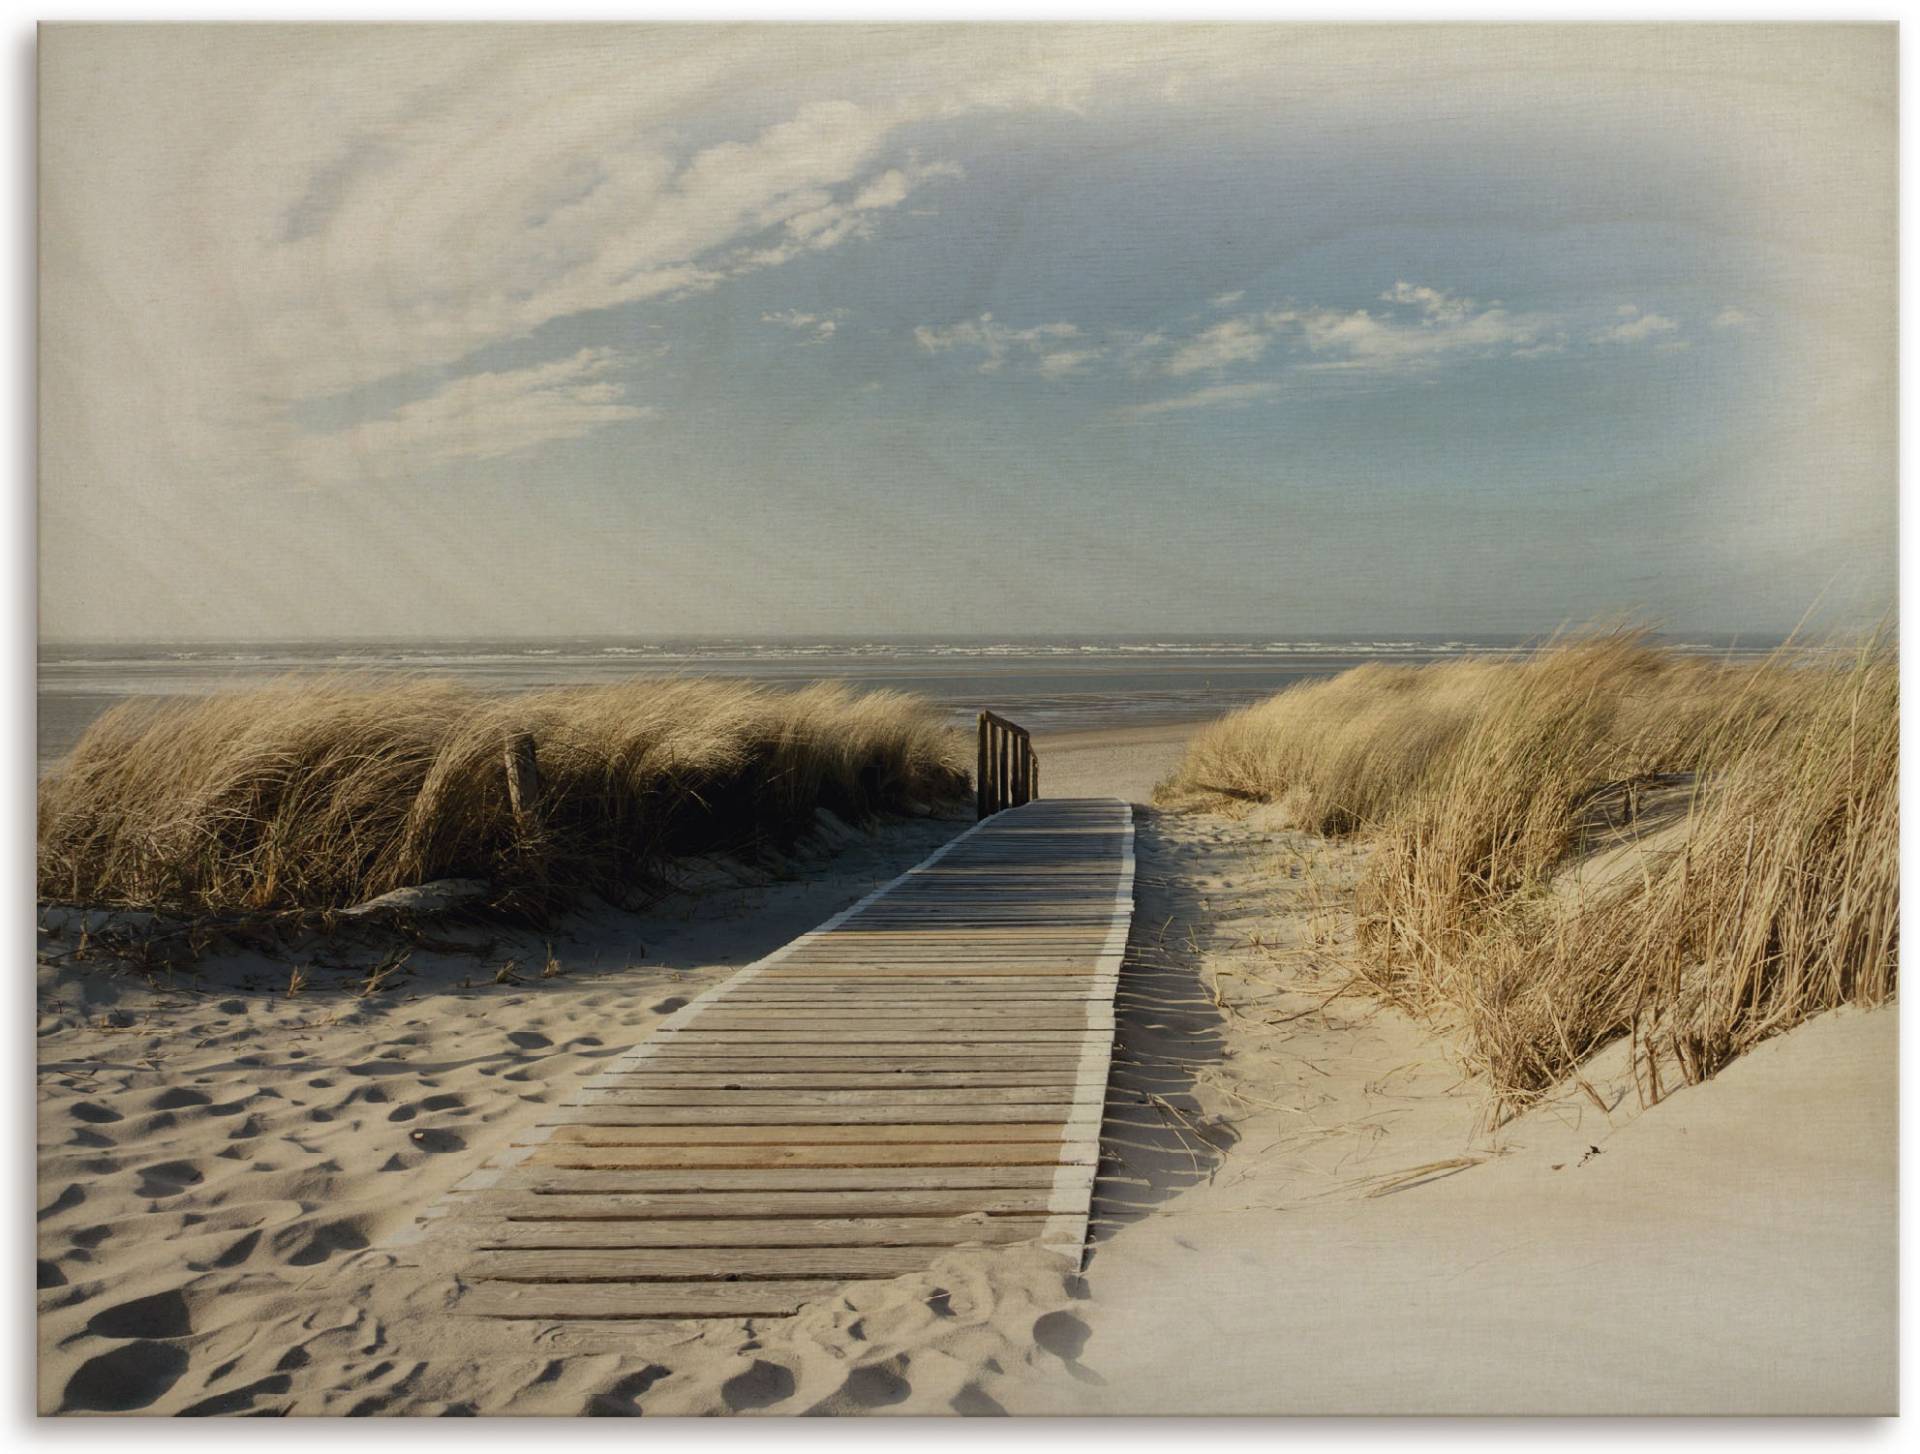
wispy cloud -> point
(1214, 396)
(1422, 328)
(1731, 317)
(996, 344)
(1227, 300)
(1236, 341)
(821, 325)
(478, 417)
(1417, 329)
(1637, 327)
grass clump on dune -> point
(321, 794)
(1480, 782)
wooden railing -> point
(1009, 773)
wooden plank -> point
(905, 1017)
(780, 1156)
(777, 1179)
(723, 1208)
(945, 1033)
(914, 1104)
(671, 1301)
(921, 1232)
(732, 1063)
(681, 1076)
(803, 1116)
(742, 1049)
(704, 1264)
(958, 1134)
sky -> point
(758, 330)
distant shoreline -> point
(1066, 684)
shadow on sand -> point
(1155, 1141)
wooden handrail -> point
(1007, 769)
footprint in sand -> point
(129, 1377)
(623, 1396)
(167, 1179)
(975, 1402)
(179, 1099)
(239, 1400)
(877, 1384)
(94, 1114)
(239, 1252)
(761, 1386)
(1065, 1337)
(159, 1315)
(70, 1197)
(328, 1240)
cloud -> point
(1214, 396)
(1438, 305)
(829, 223)
(997, 343)
(1638, 327)
(1732, 318)
(1421, 329)
(1227, 300)
(1443, 326)
(821, 325)
(1235, 341)
(1066, 361)
(478, 417)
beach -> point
(1296, 1185)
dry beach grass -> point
(323, 794)
(1480, 782)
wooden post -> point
(523, 779)
(980, 808)
(1033, 780)
(1007, 769)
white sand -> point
(1298, 1214)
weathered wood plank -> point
(784, 1156)
(902, 1063)
(945, 1034)
(803, 1116)
(776, 1179)
(914, 1104)
(723, 1208)
(681, 1076)
(704, 1264)
(958, 1134)
(669, 1301)
(736, 1232)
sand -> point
(1300, 1210)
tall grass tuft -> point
(1480, 782)
(318, 794)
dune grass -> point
(321, 794)
(1479, 782)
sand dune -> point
(1299, 1208)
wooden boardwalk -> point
(925, 1071)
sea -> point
(1048, 685)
